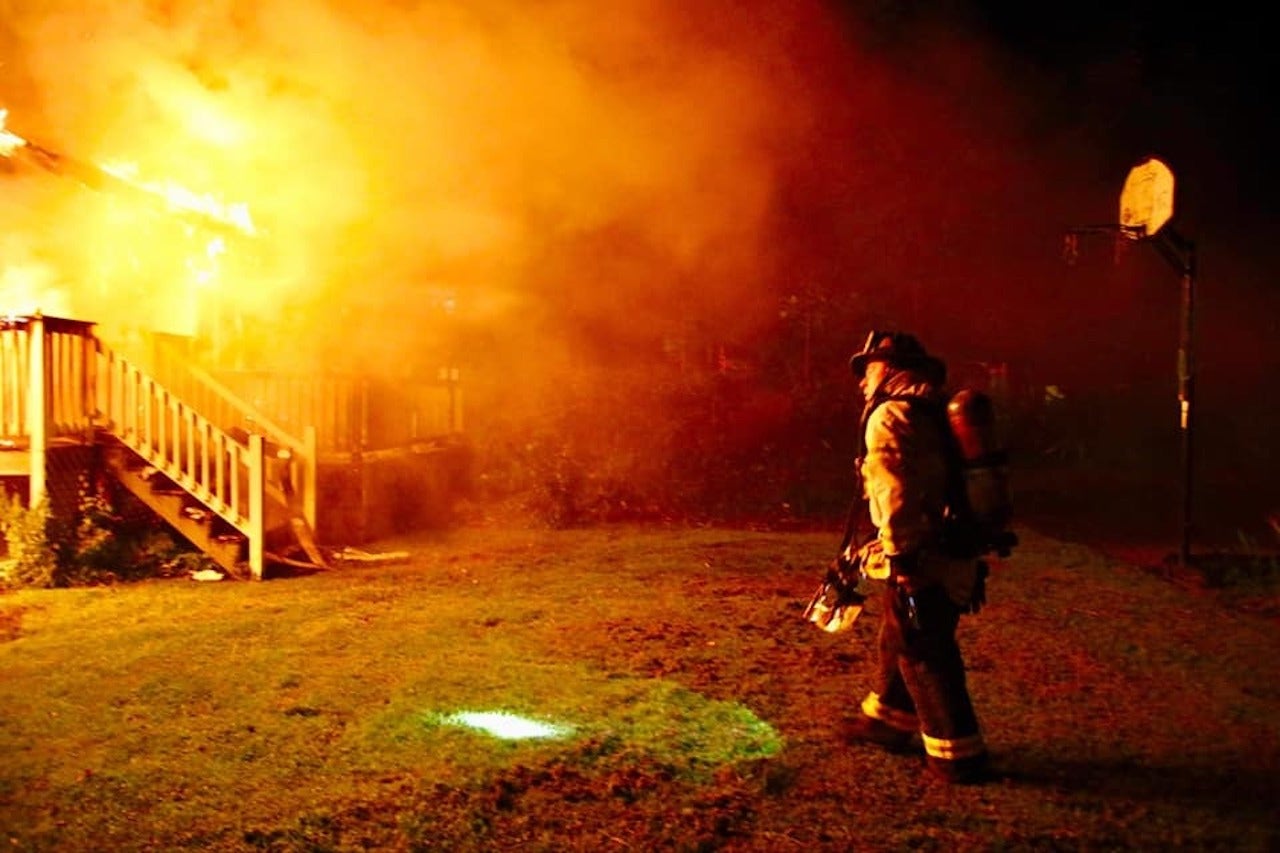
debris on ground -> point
(356, 555)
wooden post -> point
(364, 414)
(310, 467)
(92, 393)
(455, 400)
(37, 410)
(257, 519)
(458, 408)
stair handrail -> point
(300, 453)
(270, 430)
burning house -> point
(153, 371)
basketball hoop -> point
(1071, 248)
(1146, 206)
(1123, 237)
(1120, 235)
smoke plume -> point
(525, 189)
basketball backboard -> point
(1146, 202)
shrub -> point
(32, 561)
(116, 537)
(111, 537)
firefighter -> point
(919, 686)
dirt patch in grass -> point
(10, 621)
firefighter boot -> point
(864, 729)
(971, 770)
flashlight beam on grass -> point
(654, 717)
(507, 726)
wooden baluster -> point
(37, 411)
(257, 514)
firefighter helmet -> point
(900, 350)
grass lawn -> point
(668, 695)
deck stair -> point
(205, 482)
(211, 533)
(226, 491)
(207, 453)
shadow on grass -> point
(1227, 791)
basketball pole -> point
(1180, 253)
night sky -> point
(1136, 78)
(1188, 83)
(1188, 86)
(1097, 88)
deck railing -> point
(350, 413)
(52, 360)
(15, 380)
(353, 414)
(46, 387)
(292, 454)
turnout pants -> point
(920, 684)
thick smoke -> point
(506, 159)
(544, 162)
(528, 189)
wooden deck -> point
(247, 446)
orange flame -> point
(177, 197)
(9, 141)
(180, 198)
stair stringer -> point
(227, 549)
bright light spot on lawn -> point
(507, 726)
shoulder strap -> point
(915, 402)
(936, 411)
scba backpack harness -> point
(978, 504)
